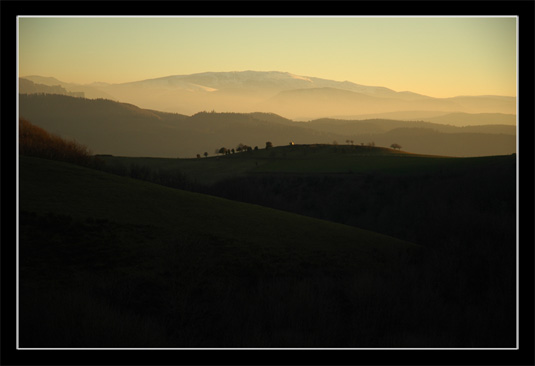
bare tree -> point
(395, 146)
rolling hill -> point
(109, 261)
(123, 129)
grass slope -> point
(108, 261)
(49, 186)
(297, 159)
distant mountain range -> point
(109, 127)
(292, 96)
(29, 87)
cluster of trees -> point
(371, 144)
(239, 148)
(35, 141)
(244, 148)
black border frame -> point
(525, 10)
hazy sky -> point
(435, 56)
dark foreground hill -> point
(123, 129)
(109, 261)
(409, 196)
(461, 210)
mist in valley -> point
(182, 116)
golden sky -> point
(435, 56)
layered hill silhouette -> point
(110, 127)
(400, 246)
(290, 95)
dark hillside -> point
(123, 129)
(126, 130)
(109, 261)
(462, 210)
(424, 137)
(413, 198)
(129, 263)
(313, 159)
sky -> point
(435, 56)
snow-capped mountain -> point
(272, 81)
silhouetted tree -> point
(205, 154)
(395, 146)
(198, 156)
(269, 144)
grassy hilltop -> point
(299, 159)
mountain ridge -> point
(109, 127)
(252, 91)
